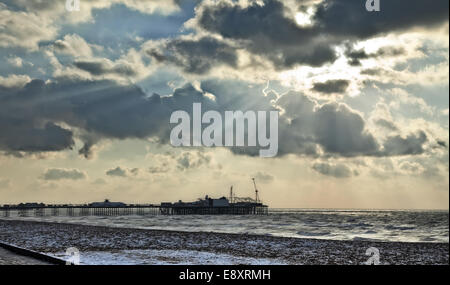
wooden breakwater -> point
(34, 254)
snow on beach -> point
(107, 245)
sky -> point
(86, 98)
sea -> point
(329, 224)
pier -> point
(135, 209)
(78, 210)
(231, 205)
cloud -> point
(127, 69)
(102, 109)
(441, 143)
(63, 173)
(257, 27)
(400, 96)
(15, 61)
(263, 177)
(118, 172)
(27, 23)
(24, 30)
(305, 126)
(410, 145)
(99, 181)
(4, 183)
(33, 116)
(104, 66)
(163, 168)
(355, 56)
(156, 169)
(56, 9)
(337, 129)
(350, 19)
(228, 28)
(334, 170)
(334, 127)
(411, 167)
(189, 160)
(194, 55)
(341, 130)
(14, 81)
(331, 86)
(426, 167)
(90, 147)
(389, 125)
(122, 172)
(436, 74)
(73, 45)
(19, 135)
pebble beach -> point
(110, 245)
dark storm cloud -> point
(349, 18)
(334, 127)
(61, 173)
(20, 135)
(355, 56)
(331, 86)
(267, 31)
(334, 170)
(337, 130)
(267, 28)
(100, 110)
(306, 127)
(195, 56)
(23, 128)
(340, 130)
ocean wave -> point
(312, 234)
(401, 228)
(405, 226)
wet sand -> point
(55, 238)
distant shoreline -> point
(57, 237)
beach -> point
(113, 245)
